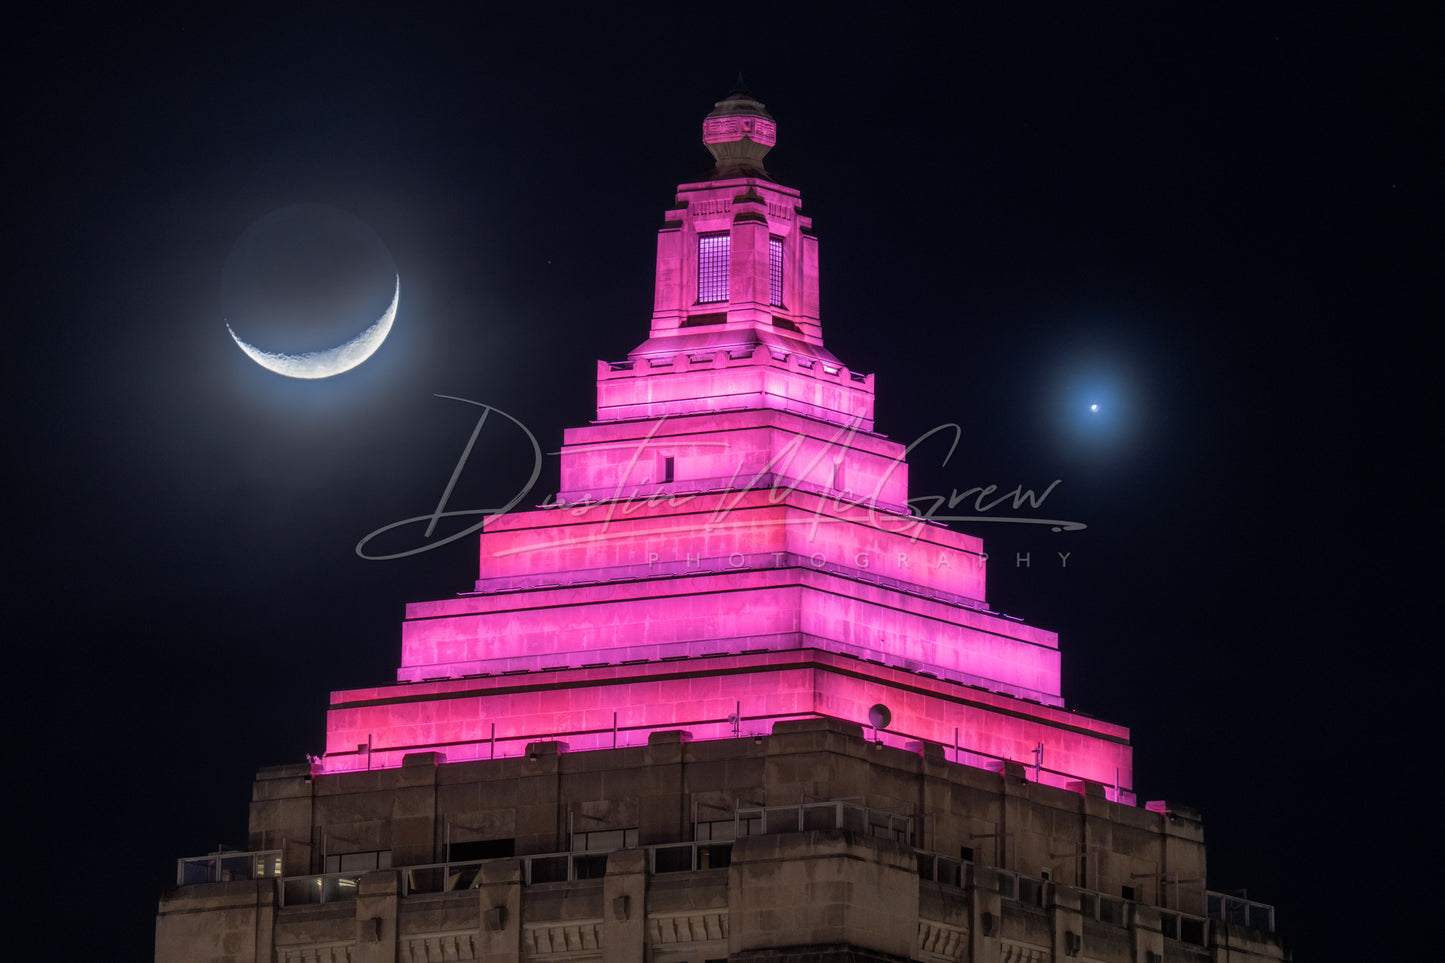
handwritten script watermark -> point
(922, 510)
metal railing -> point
(663, 858)
(1105, 909)
(563, 867)
(1238, 909)
(1184, 927)
(834, 814)
(688, 857)
(441, 877)
(321, 888)
(1176, 925)
(702, 854)
(938, 868)
(541, 868)
(226, 867)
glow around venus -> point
(331, 361)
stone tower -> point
(725, 698)
(731, 501)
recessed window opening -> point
(717, 830)
(713, 252)
(775, 271)
(667, 468)
(481, 849)
(358, 862)
(604, 840)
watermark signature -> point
(441, 512)
(628, 497)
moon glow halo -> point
(331, 361)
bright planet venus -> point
(299, 285)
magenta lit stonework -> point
(716, 129)
(730, 538)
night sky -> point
(1218, 226)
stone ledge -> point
(815, 953)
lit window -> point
(775, 271)
(712, 267)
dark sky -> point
(1221, 223)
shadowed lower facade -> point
(726, 698)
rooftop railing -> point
(321, 888)
(1184, 927)
(833, 814)
(1238, 909)
(226, 867)
(564, 867)
(1176, 925)
(715, 852)
(938, 868)
(688, 857)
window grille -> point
(775, 272)
(712, 267)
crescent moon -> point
(332, 361)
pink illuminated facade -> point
(731, 547)
(726, 699)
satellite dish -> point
(879, 716)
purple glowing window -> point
(775, 272)
(712, 267)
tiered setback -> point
(597, 624)
(677, 535)
(601, 706)
(736, 451)
(715, 373)
(731, 548)
(788, 608)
